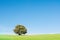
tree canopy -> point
(20, 29)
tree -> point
(20, 29)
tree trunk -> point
(19, 34)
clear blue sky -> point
(39, 16)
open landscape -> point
(29, 19)
(31, 37)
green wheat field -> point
(31, 37)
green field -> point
(31, 37)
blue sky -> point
(39, 16)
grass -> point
(31, 37)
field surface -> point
(31, 37)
